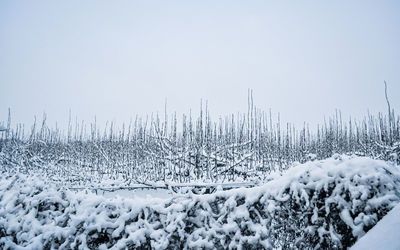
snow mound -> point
(319, 204)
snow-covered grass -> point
(320, 204)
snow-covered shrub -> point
(325, 204)
(331, 203)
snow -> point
(160, 194)
(384, 235)
(320, 204)
(2, 128)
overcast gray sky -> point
(116, 59)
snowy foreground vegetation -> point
(326, 204)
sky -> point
(118, 59)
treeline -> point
(193, 147)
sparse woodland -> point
(192, 148)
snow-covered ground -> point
(160, 194)
(320, 204)
(384, 235)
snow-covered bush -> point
(319, 204)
